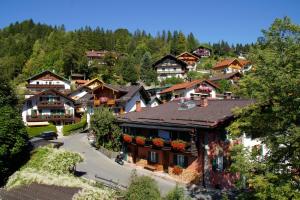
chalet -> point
(190, 59)
(188, 89)
(232, 65)
(48, 106)
(202, 51)
(98, 56)
(169, 66)
(189, 135)
(46, 80)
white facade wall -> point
(53, 82)
(131, 105)
(249, 143)
(154, 104)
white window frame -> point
(180, 160)
(153, 156)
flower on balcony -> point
(203, 89)
(103, 99)
(158, 142)
(178, 145)
(127, 138)
(177, 170)
(140, 140)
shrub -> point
(177, 170)
(142, 188)
(178, 145)
(158, 142)
(35, 131)
(176, 194)
(127, 138)
(140, 140)
(68, 129)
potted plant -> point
(140, 140)
(178, 145)
(127, 138)
(158, 142)
(177, 170)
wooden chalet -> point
(190, 59)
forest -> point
(28, 48)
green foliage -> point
(275, 116)
(129, 70)
(13, 135)
(176, 194)
(142, 188)
(37, 130)
(225, 85)
(68, 129)
(148, 74)
(107, 131)
(172, 81)
(194, 75)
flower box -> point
(158, 142)
(127, 138)
(178, 145)
(177, 170)
(140, 140)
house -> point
(190, 59)
(187, 89)
(154, 101)
(189, 135)
(233, 77)
(46, 80)
(202, 51)
(232, 65)
(169, 66)
(98, 56)
(48, 106)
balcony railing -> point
(41, 118)
(110, 102)
(56, 86)
(49, 104)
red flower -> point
(177, 170)
(127, 138)
(158, 142)
(140, 140)
(178, 145)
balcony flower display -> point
(177, 170)
(203, 89)
(178, 145)
(103, 99)
(127, 138)
(140, 140)
(158, 142)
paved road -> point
(96, 164)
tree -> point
(172, 81)
(107, 132)
(148, 74)
(176, 194)
(129, 71)
(225, 85)
(275, 116)
(192, 42)
(13, 135)
(142, 188)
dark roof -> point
(36, 191)
(51, 90)
(132, 90)
(168, 114)
(171, 57)
(224, 76)
(48, 71)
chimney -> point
(204, 100)
(138, 107)
(227, 95)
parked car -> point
(40, 142)
(48, 135)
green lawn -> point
(35, 131)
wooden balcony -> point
(109, 102)
(55, 118)
(47, 86)
(48, 104)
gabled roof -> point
(132, 90)
(171, 57)
(190, 54)
(45, 72)
(181, 86)
(226, 62)
(169, 114)
(211, 84)
(225, 76)
(51, 90)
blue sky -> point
(236, 21)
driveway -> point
(98, 165)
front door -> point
(166, 159)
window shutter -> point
(175, 159)
(156, 157)
(186, 160)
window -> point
(174, 69)
(163, 69)
(37, 83)
(180, 160)
(220, 163)
(153, 157)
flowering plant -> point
(140, 140)
(177, 170)
(158, 142)
(127, 138)
(178, 145)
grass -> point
(35, 131)
(51, 167)
(68, 129)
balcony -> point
(49, 104)
(104, 101)
(42, 118)
(46, 86)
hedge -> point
(37, 130)
(68, 129)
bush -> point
(127, 138)
(68, 129)
(35, 131)
(176, 194)
(142, 188)
(140, 140)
